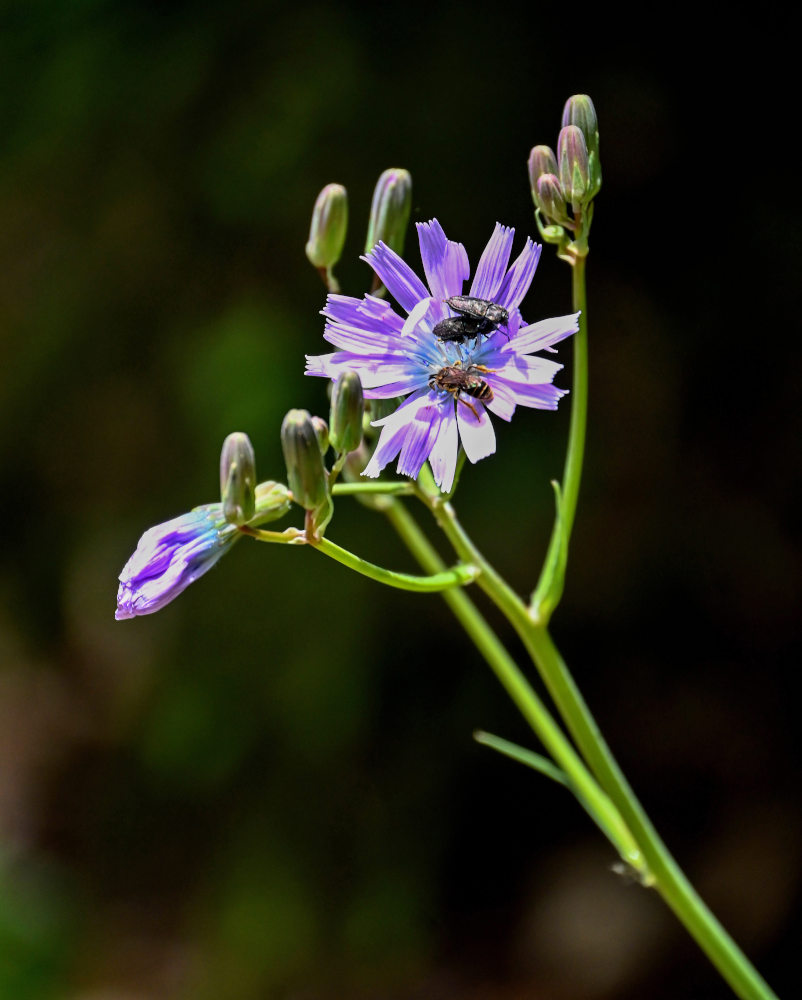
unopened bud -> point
(238, 478)
(541, 161)
(273, 500)
(579, 111)
(389, 210)
(347, 407)
(328, 228)
(572, 153)
(550, 199)
(305, 472)
(322, 431)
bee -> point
(478, 317)
(458, 380)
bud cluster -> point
(564, 186)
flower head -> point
(453, 374)
(170, 557)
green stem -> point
(590, 795)
(457, 576)
(549, 587)
(669, 879)
(388, 489)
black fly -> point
(478, 318)
(458, 380)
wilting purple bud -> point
(347, 408)
(389, 210)
(550, 199)
(170, 557)
(328, 228)
(572, 153)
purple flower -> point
(170, 557)
(395, 355)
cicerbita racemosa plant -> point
(457, 354)
(452, 383)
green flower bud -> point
(305, 472)
(273, 500)
(572, 153)
(322, 431)
(347, 407)
(389, 211)
(238, 478)
(550, 199)
(328, 228)
(541, 161)
(579, 111)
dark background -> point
(269, 789)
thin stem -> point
(515, 683)
(388, 489)
(669, 879)
(457, 576)
(549, 587)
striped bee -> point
(457, 380)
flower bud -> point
(237, 478)
(550, 199)
(579, 111)
(328, 228)
(305, 472)
(572, 153)
(322, 431)
(389, 210)
(273, 500)
(347, 407)
(541, 161)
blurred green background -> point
(269, 789)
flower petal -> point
(421, 436)
(492, 264)
(475, 430)
(394, 430)
(398, 277)
(445, 262)
(519, 277)
(443, 456)
(541, 335)
(541, 397)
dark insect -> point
(478, 318)
(458, 380)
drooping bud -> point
(328, 228)
(273, 500)
(389, 210)
(347, 407)
(305, 472)
(572, 153)
(550, 199)
(579, 111)
(541, 161)
(322, 431)
(238, 478)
